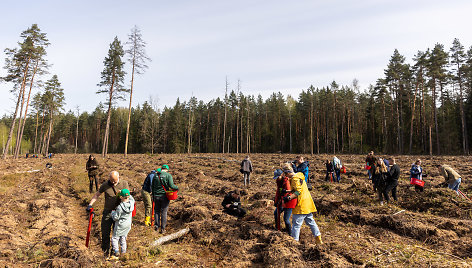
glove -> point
(286, 199)
(283, 191)
(89, 207)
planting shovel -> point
(463, 195)
(152, 213)
(279, 208)
(89, 228)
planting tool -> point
(152, 213)
(89, 228)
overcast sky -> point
(270, 46)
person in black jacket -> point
(329, 171)
(92, 167)
(392, 181)
(232, 204)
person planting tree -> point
(110, 188)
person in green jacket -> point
(164, 182)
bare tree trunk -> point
(435, 116)
(36, 132)
(10, 134)
(311, 127)
(224, 122)
(18, 141)
(49, 134)
(237, 117)
(129, 110)
(22, 122)
(413, 117)
(107, 129)
(465, 146)
(77, 131)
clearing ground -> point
(44, 223)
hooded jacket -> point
(449, 174)
(122, 217)
(305, 203)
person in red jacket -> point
(283, 189)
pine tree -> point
(137, 58)
(112, 78)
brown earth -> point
(44, 223)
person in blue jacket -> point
(300, 165)
(146, 194)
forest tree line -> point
(419, 107)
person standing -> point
(453, 179)
(146, 194)
(300, 165)
(392, 181)
(110, 188)
(162, 183)
(92, 167)
(283, 189)
(417, 172)
(246, 168)
(305, 205)
(380, 178)
(337, 168)
(329, 171)
(370, 163)
(122, 216)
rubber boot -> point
(318, 240)
(147, 221)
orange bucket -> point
(171, 195)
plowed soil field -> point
(44, 223)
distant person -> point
(111, 188)
(146, 193)
(162, 183)
(370, 162)
(92, 167)
(381, 177)
(329, 171)
(392, 181)
(232, 204)
(283, 190)
(417, 172)
(305, 207)
(246, 169)
(122, 216)
(337, 168)
(453, 179)
(300, 165)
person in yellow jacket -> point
(305, 205)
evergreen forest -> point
(421, 105)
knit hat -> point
(165, 167)
(124, 193)
(277, 173)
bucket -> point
(417, 182)
(367, 167)
(171, 195)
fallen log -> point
(170, 237)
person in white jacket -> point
(122, 216)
